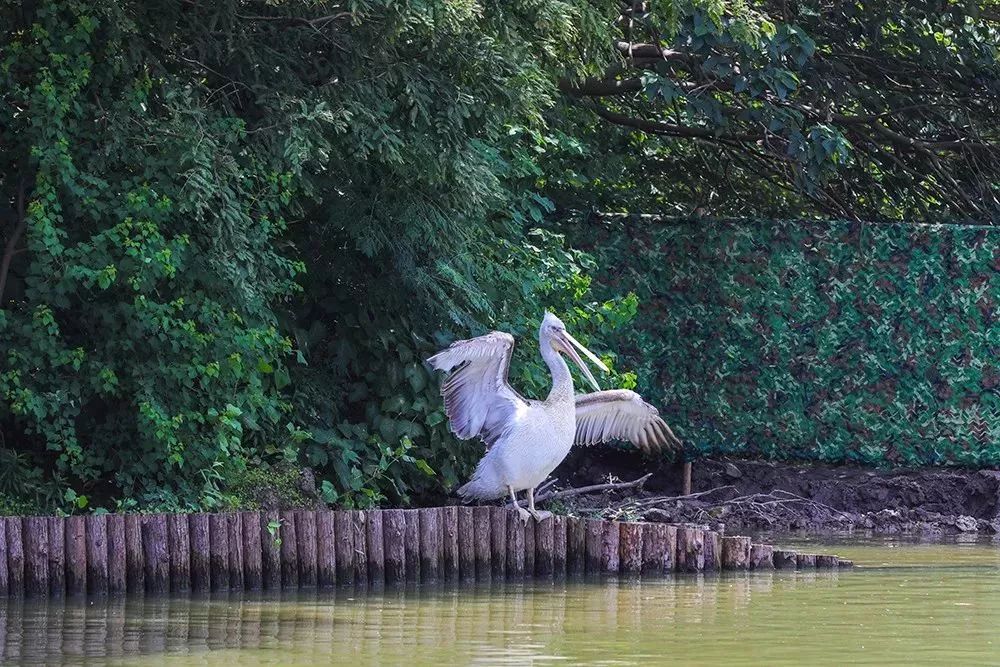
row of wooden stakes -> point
(105, 554)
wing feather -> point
(620, 414)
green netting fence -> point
(833, 341)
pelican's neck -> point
(562, 381)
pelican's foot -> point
(541, 515)
(525, 514)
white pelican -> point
(527, 439)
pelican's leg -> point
(540, 515)
(525, 515)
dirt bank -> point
(754, 495)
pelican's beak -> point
(570, 345)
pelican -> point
(526, 439)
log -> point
(498, 543)
(359, 520)
(654, 548)
(449, 534)
(306, 536)
(713, 551)
(595, 536)
(135, 562)
(343, 527)
(412, 545)
(154, 553)
(218, 552)
(15, 556)
(76, 555)
(806, 561)
(289, 551)
(481, 532)
(610, 549)
(35, 534)
(56, 527)
(845, 562)
(97, 554)
(736, 553)
(253, 564)
(686, 479)
(270, 549)
(576, 546)
(690, 549)
(544, 547)
(394, 534)
(326, 550)
(234, 525)
(4, 580)
(827, 562)
(670, 557)
(467, 544)
(375, 547)
(785, 560)
(630, 548)
(179, 537)
(761, 557)
(515, 551)
(528, 537)
(559, 546)
(431, 548)
(117, 583)
(200, 563)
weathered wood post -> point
(498, 543)
(375, 547)
(630, 548)
(654, 548)
(761, 557)
(56, 527)
(200, 563)
(326, 549)
(576, 546)
(308, 560)
(827, 562)
(449, 534)
(270, 537)
(36, 556)
(343, 526)
(253, 563)
(610, 547)
(289, 551)
(234, 526)
(394, 533)
(595, 538)
(528, 535)
(736, 553)
(544, 547)
(97, 554)
(15, 556)
(154, 553)
(431, 549)
(481, 531)
(135, 561)
(412, 546)
(515, 555)
(179, 540)
(806, 561)
(117, 581)
(785, 559)
(218, 532)
(4, 583)
(359, 521)
(713, 551)
(670, 557)
(466, 543)
(690, 549)
(559, 544)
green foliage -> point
(279, 485)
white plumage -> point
(527, 439)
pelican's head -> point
(553, 334)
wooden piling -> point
(544, 547)
(515, 554)
(135, 562)
(154, 553)
(15, 556)
(528, 536)
(713, 551)
(234, 526)
(449, 535)
(806, 561)
(97, 554)
(117, 580)
(498, 543)
(179, 540)
(306, 538)
(375, 547)
(253, 565)
(736, 553)
(412, 546)
(844, 563)
(481, 532)
(270, 549)
(576, 546)
(670, 556)
(289, 551)
(559, 544)
(630, 548)
(394, 534)
(56, 527)
(594, 539)
(827, 562)
(761, 557)
(610, 549)
(326, 549)
(200, 562)
(36, 556)
(343, 526)
(466, 543)
(218, 554)
(431, 548)
(654, 548)
(4, 583)
(785, 560)
(690, 549)
(359, 521)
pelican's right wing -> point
(620, 414)
(477, 397)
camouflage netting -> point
(820, 341)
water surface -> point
(905, 603)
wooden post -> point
(498, 542)
(359, 521)
(4, 580)
(200, 563)
(654, 547)
(343, 526)
(670, 557)
(412, 546)
(218, 534)
(713, 551)
(690, 549)
(559, 537)
(735, 553)
(467, 543)
(56, 527)
(97, 554)
(305, 534)
(761, 557)
(326, 550)
(544, 547)
(234, 526)
(630, 548)
(481, 531)
(117, 583)
(154, 553)
(375, 546)
(394, 534)
(179, 539)
(515, 551)
(135, 561)
(576, 545)
(827, 562)
(595, 537)
(15, 556)
(289, 551)
(785, 560)
(449, 533)
(430, 544)
(610, 549)
(253, 564)
(686, 479)
(270, 539)
(36, 556)
(844, 562)
(76, 555)
(528, 536)
(806, 561)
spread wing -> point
(477, 397)
(620, 414)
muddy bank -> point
(754, 495)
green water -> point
(905, 603)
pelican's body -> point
(527, 439)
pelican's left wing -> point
(620, 414)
